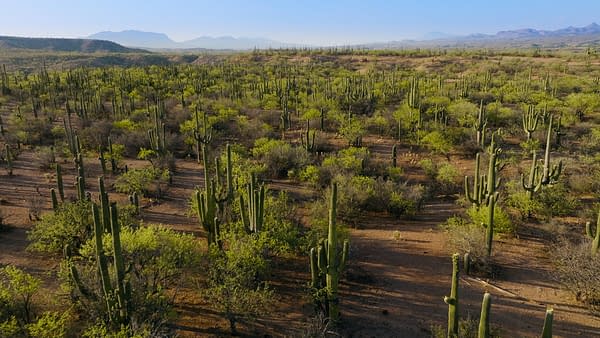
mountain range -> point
(151, 40)
(587, 36)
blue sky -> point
(308, 22)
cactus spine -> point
(594, 235)
(484, 318)
(253, 211)
(452, 300)
(530, 121)
(547, 330)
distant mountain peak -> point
(136, 38)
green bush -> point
(69, 225)
(149, 181)
(502, 222)
(17, 289)
(157, 258)
(234, 285)
(280, 157)
(556, 200)
(50, 325)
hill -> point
(62, 45)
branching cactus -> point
(594, 235)
(530, 121)
(484, 318)
(308, 139)
(327, 260)
(534, 182)
(452, 300)
(550, 174)
(204, 137)
(477, 194)
(157, 134)
(547, 330)
(254, 209)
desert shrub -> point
(519, 200)
(279, 157)
(156, 258)
(133, 141)
(149, 181)
(437, 142)
(70, 225)
(467, 328)
(234, 286)
(280, 231)
(556, 200)
(349, 161)
(309, 174)
(467, 237)
(502, 222)
(50, 325)
(445, 176)
(17, 289)
(96, 135)
(45, 157)
(578, 270)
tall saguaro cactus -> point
(484, 318)
(254, 209)
(327, 261)
(550, 174)
(530, 121)
(480, 125)
(452, 300)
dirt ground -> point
(398, 272)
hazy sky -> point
(319, 22)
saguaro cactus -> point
(547, 330)
(308, 138)
(530, 121)
(328, 261)
(59, 182)
(394, 156)
(550, 175)
(594, 235)
(9, 160)
(534, 182)
(253, 210)
(484, 318)
(477, 196)
(489, 226)
(452, 300)
(480, 125)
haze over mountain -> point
(569, 36)
(140, 39)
